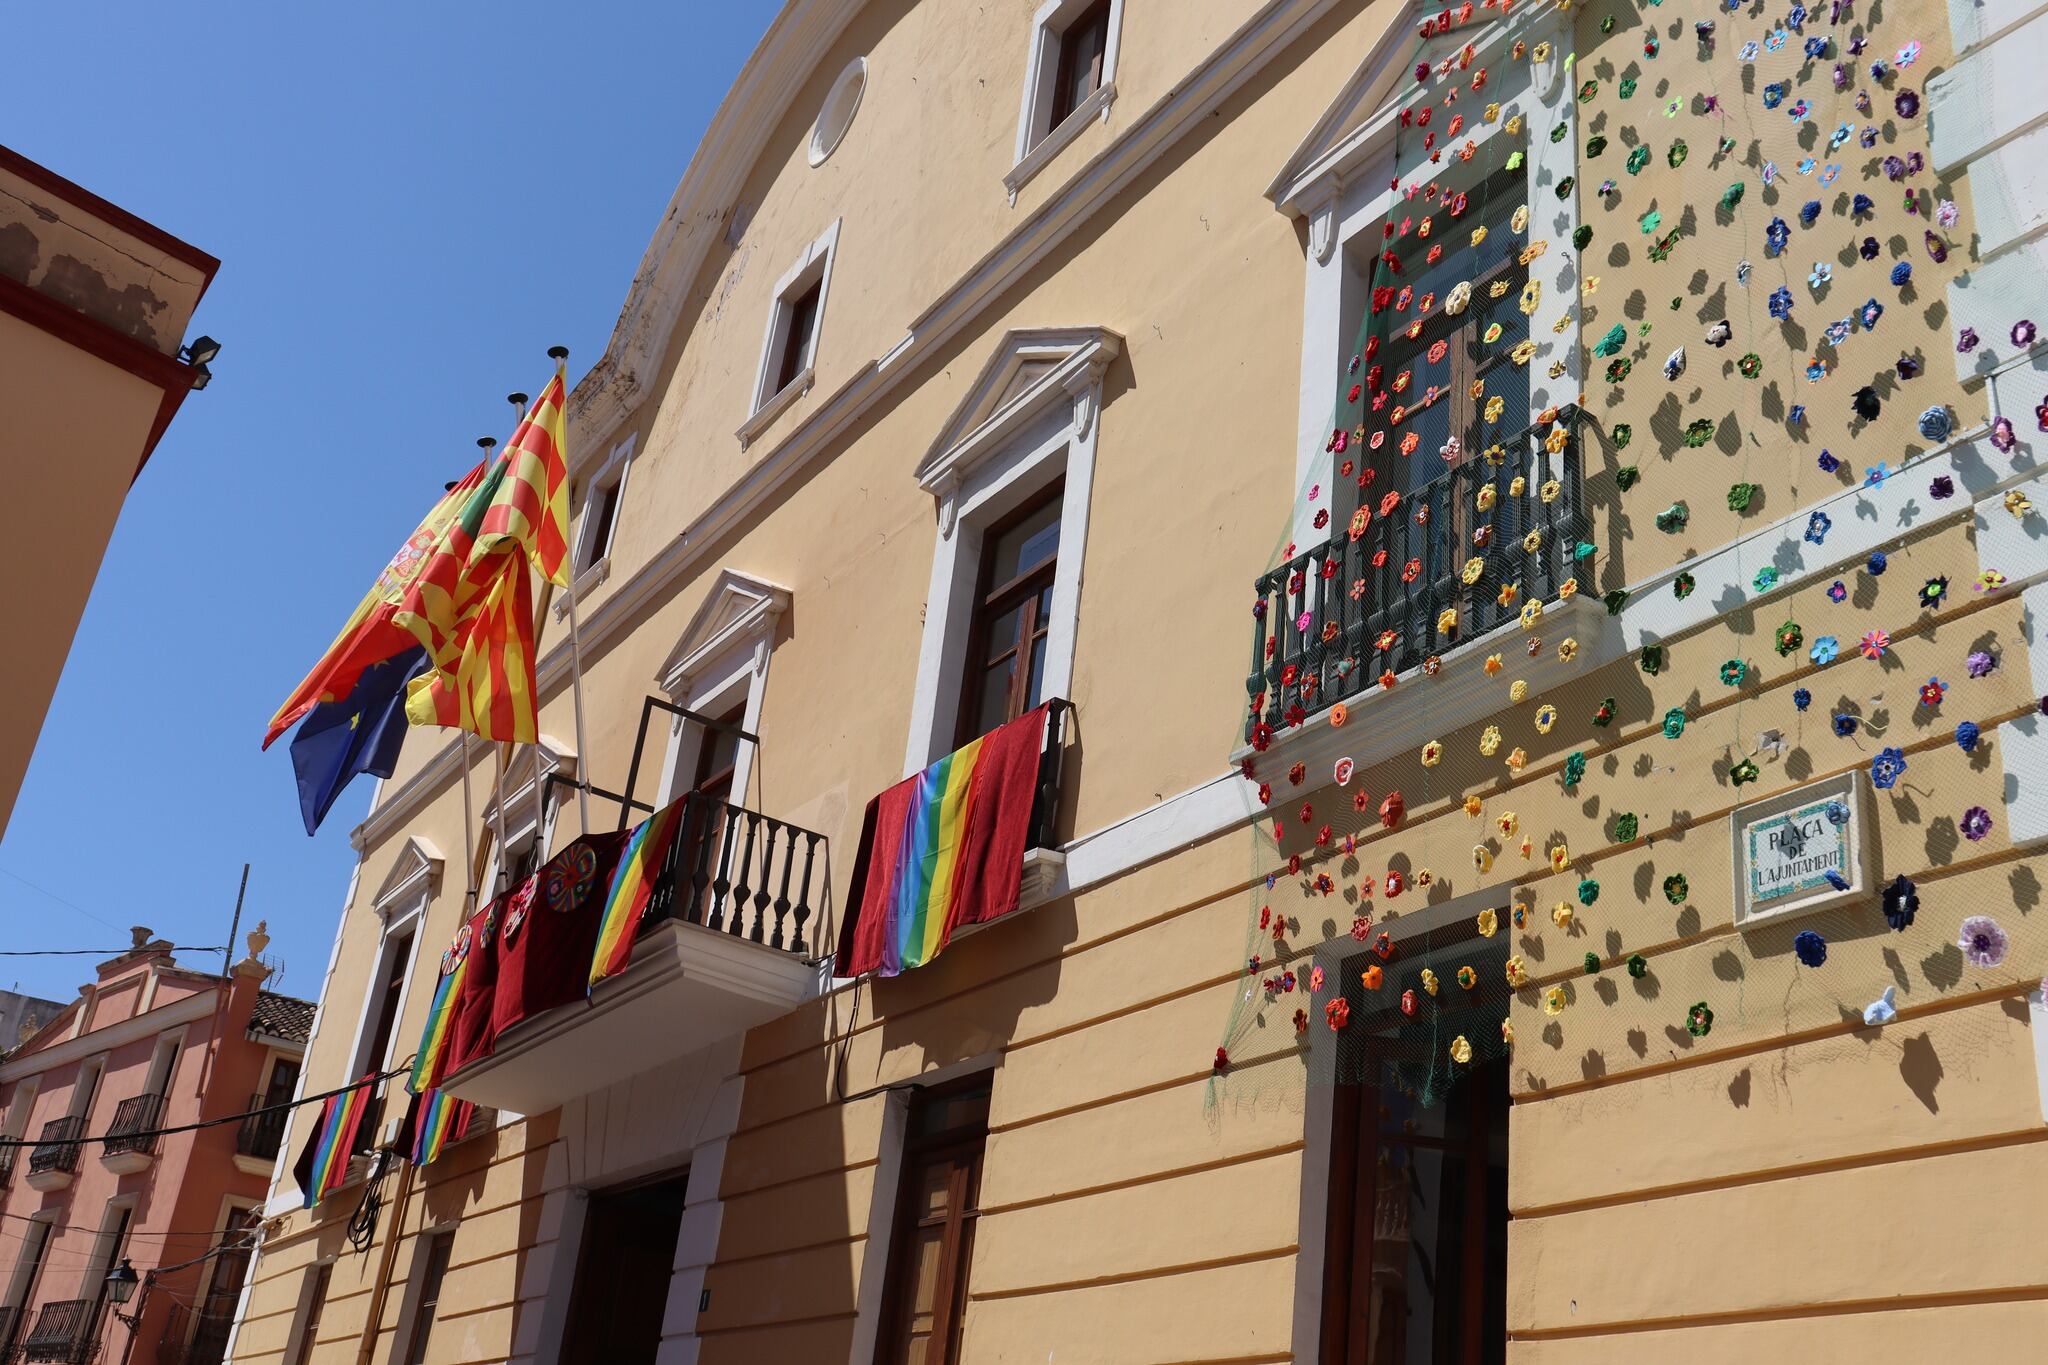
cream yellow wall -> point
(1123, 1218)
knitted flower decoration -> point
(1810, 947)
(1699, 1020)
(1901, 902)
(1887, 768)
(1676, 888)
(1982, 941)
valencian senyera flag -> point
(372, 635)
(471, 605)
(941, 850)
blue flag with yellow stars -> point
(361, 733)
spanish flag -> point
(472, 604)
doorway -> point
(622, 1274)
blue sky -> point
(353, 167)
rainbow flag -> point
(632, 885)
(943, 849)
(323, 1166)
(430, 1063)
(438, 1119)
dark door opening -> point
(622, 1275)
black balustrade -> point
(8, 1156)
(742, 873)
(262, 1134)
(135, 1123)
(1335, 620)
(57, 1148)
(63, 1331)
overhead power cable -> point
(280, 1107)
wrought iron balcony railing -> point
(63, 1331)
(262, 1134)
(1331, 622)
(57, 1148)
(135, 1123)
(196, 1335)
(8, 1156)
(10, 1321)
(742, 873)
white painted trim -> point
(133, 1029)
(2037, 1009)
(416, 870)
(21, 1270)
(998, 462)
(823, 142)
(814, 266)
(882, 1200)
(412, 917)
(282, 1201)
(1037, 137)
(771, 407)
(607, 395)
(612, 473)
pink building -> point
(148, 1045)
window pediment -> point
(417, 868)
(1033, 371)
(739, 607)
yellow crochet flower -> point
(1474, 567)
(1498, 289)
(1546, 716)
(1553, 1000)
(1447, 620)
(1429, 980)
(1532, 294)
(1567, 650)
(1478, 235)
(1567, 590)
(1432, 753)
(1495, 406)
(1557, 439)
(1461, 1051)
(1473, 806)
(1561, 914)
(1518, 691)
(1560, 857)
(1488, 495)
(1524, 352)
(1514, 128)
(1532, 612)
(1508, 822)
(1489, 740)
(1489, 924)
(1517, 486)
(1518, 760)
(1551, 491)
(1482, 857)
(1520, 218)
(1507, 1032)
(1517, 974)
(1491, 112)
(1493, 665)
(1532, 542)
(1507, 594)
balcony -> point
(261, 1136)
(196, 1335)
(131, 1139)
(8, 1156)
(726, 943)
(1344, 619)
(63, 1331)
(10, 1320)
(54, 1159)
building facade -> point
(94, 302)
(1546, 687)
(95, 1180)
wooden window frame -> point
(992, 600)
(966, 1144)
(315, 1306)
(1065, 100)
(427, 1307)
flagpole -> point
(560, 355)
(540, 813)
(468, 834)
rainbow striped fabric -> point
(324, 1168)
(943, 849)
(632, 886)
(430, 1063)
(438, 1119)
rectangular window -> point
(1012, 617)
(603, 518)
(933, 1243)
(799, 329)
(622, 1273)
(21, 1291)
(1084, 43)
(215, 1318)
(314, 1305)
(387, 994)
(440, 1246)
(162, 1063)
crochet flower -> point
(1674, 722)
(1932, 691)
(1817, 527)
(1554, 1000)
(1517, 975)
(1967, 735)
(1589, 890)
(1489, 740)
(1801, 698)
(1810, 947)
(1976, 823)
(1676, 888)
(1461, 1050)
(1699, 1020)
(1980, 664)
(1734, 672)
(1625, 826)
(1901, 902)
(1845, 724)
(1838, 591)
(1789, 637)
(1638, 965)
(1982, 941)
(1432, 753)
(1574, 769)
(1824, 650)
(1875, 643)
(1887, 768)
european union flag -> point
(361, 733)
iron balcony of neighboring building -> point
(131, 1140)
(63, 1331)
(8, 1156)
(1364, 620)
(261, 1135)
(54, 1159)
(727, 941)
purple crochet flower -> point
(2002, 437)
(1966, 341)
(1895, 168)
(2023, 333)
(1982, 941)
(1829, 462)
(1976, 823)
(1907, 103)
(1941, 487)
(1838, 591)
(1980, 663)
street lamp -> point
(122, 1282)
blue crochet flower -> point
(1824, 650)
(1869, 313)
(1828, 461)
(1887, 768)
(1809, 213)
(1845, 724)
(1817, 527)
(1966, 736)
(1877, 562)
(1776, 235)
(1838, 591)
(1902, 273)
(1935, 423)
(1811, 947)
(1781, 303)
(1801, 698)
(1836, 332)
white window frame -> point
(20, 1276)
(164, 1055)
(302, 1312)
(996, 454)
(721, 658)
(82, 1095)
(20, 1106)
(521, 821)
(416, 1285)
(1038, 139)
(590, 569)
(814, 266)
(403, 908)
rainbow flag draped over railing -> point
(632, 886)
(323, 1167)
(943, 849)
(430, 1063)
(437, 1119)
